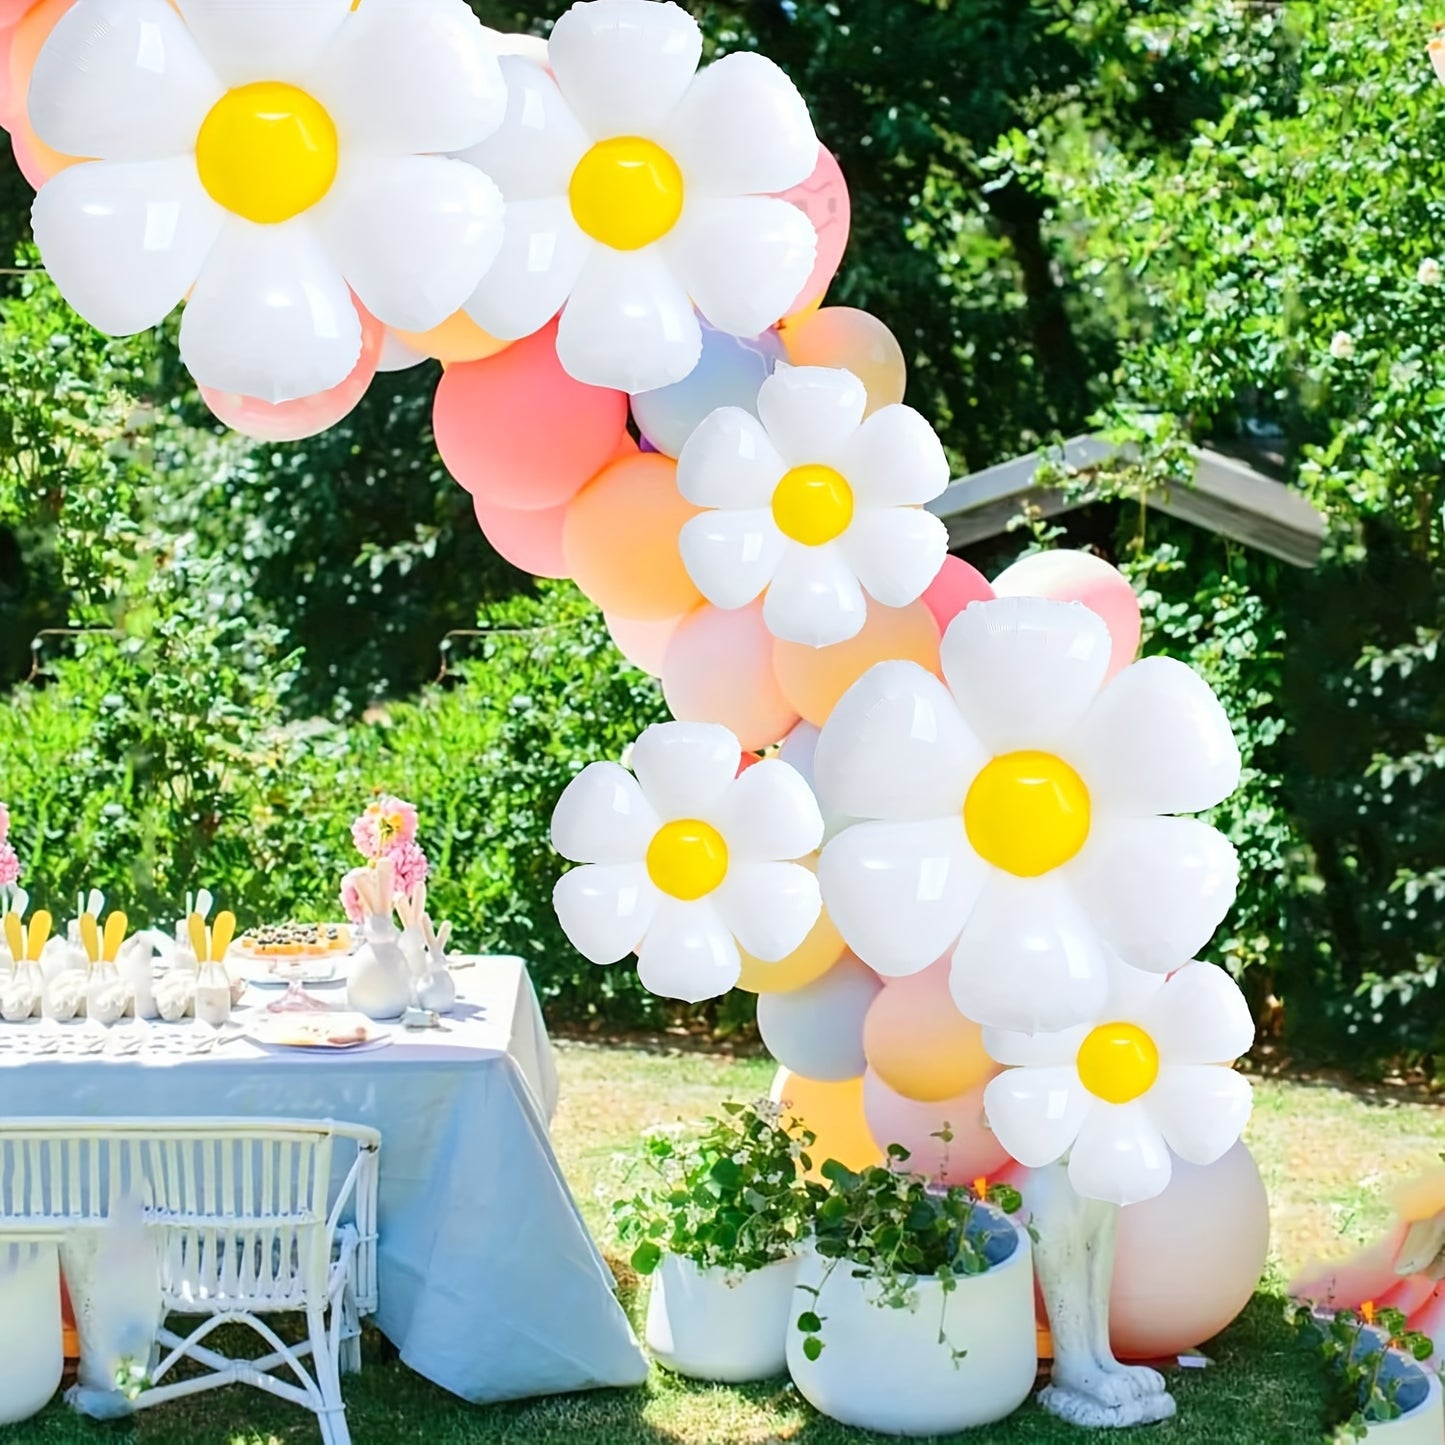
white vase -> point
(379, 982)
(1423, 1423)
(884, 1369)
(30, 1340)
(711, 1325)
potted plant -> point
(1385, 1390)
(917, 1303)
(718, 1222)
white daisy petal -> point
(896, 552)
(1156, 888)
(250, 40)
(602, 817)
(1025, 670)
(742, 129)
(743, 260)
(770, 908)
(1028, 960)
(624, 64)
(1132, 993)
(729, 462)
(769, 815)
(1036, 1113)
(811, 412)
(606, 910)
(896, 748)
(900, 893)
(1199, 1017)
(688, 953)
(1120, 1155)
(541, 256)
(270, 315)
(1034, 1051)
(152, 222)
(814, 598)
(121, 80)
(686, 768)
(1157, 741)
(628, 324)
(412, 235)
(731, 556)
(895, 459)
(536, 149)
(1201, 1110)
(411, 77)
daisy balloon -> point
(813, 507)
(687, 860)
(265, 161)
(637, 188)
(1018, 816)
(1149, 1075)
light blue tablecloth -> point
(489, 1282)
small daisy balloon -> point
(1148, 1076)
(684, 860)
(639, 187)
(813, 507)
(1018, 816)
(264, 162)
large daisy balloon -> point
(637, 188)
(812, 507)
(1148, 1075)
(266, 160)
(687, 860)
(1018, 817)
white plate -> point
(290, 1031)
(278, 973)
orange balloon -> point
(644, 644)
(834, 1112)
(817, 953)
(814, 678)
(458, 338)
(621, 540)
(845, 337)
(919, 1044)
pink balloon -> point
(12, 12)
(531, 541)
(516, 431)
(973, 1153)
(1081, 577)
(719, 668)
(644, 644)
(956, 585)
(306, 416)
(824, 199)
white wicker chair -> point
(245, 1222)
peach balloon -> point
(919, 1044)
(824, 199)
(457, 339)
(834, 1112)
(531, 541)
(814, 678)
(1188, 1261)
(12, 12)
(396, 355)
(517, 431)
(643, 644)
(814, 957)
(1068, 576)
(719, 668)
(306, 416)
(37, 162)
(972, 1153)
(621, 540)
(956, 585)
(845, 337)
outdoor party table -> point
(489, 1282)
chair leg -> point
(346, 1330)
(332, 1417)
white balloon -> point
(817, 1030)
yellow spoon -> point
(115, 927)
(90, 937)
(15, 937)
(196, 927)
(223, 930)
(39, 934)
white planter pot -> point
(1422, 1424)
(884, 1369)
(31, 1349)
(711, 1325)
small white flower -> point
(687, 860)
(1430, 272)
(1142, 1078)
(1342, 346)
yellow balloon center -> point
(687, 859)
(1118, 1063)
(1027, 813)
(267, 152)
(813, 505)
(627, 193)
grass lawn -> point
(1328, 1155)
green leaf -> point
(812, 1347)
(809, 1323)
(646, 1257)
